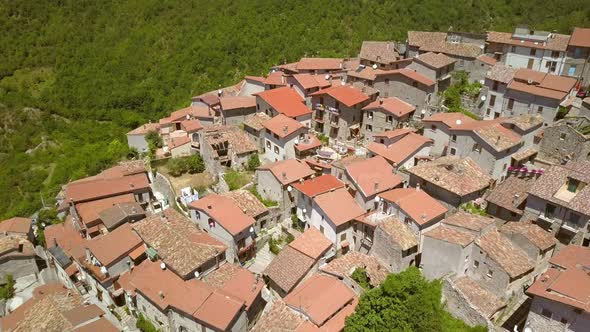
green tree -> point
(404, 302)
(7, 290)
(177, 166)
(253, 162)
(359, 275)
(195, 164)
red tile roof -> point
(392, 105)
(288, 268)
(67, 237)
(400, 151)
(100, 188)
(395, 133)
(275, 78)
(235, 281)
(450, 119)
(373, 175)
(318, 185)
(553, 88)
(511, 258)
(254, 78)
(309, 81)
(89, 211)
(144, 129)
(346, 94)
(580, 37)
(557, 43)
(283, 125)
(572, 256)
(308, 143)
(288, 171)
(232, 103)
(435, 60)
(412, 75)
(339, 206)
(285, 101)
(225, 212)
(345, 265)
(320, 297)
(115, 245)
(16, 225)
(311, 243)
(191, 126)
(487, 59)
(415, 203)
(319, 64)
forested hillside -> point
(76, 75)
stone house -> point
(370, 177)
(18, 257)
(525, 91)
(499, 265)
(297, 261)
(524, 48)
(403, 153)
(252, 207)
(307, 190)
(559, 199)
(180, 147)
(385, 114)
(225, 220)
(319, 65)
(436, 66)
(306, 84)
(333, 214)
(225, 146)
(274, 181)
(462, 47)
(560, 303)
(405, 84)
(338, 111)
(564, 141)
(481, 66)
(438, 128)
(415, 208)
(280, 136)
(18, 226)
(180, 245)
(344, 266)
(284, 101)
(447, 247)
(382, 54)
(254, 128)
(235, 109)
(507, 200)
(533, 240)
(451, 180)
(577, 55)
(136, 138)
(274, 80)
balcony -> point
(333, 110)
(546, 218)
(570, 227)
(320, 107)
(334, 124)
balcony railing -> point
(570, 226)
(546, 218)
(320, 107)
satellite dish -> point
(289, 188)
(458, 122)
(163, 266)
(197, 274)
(103, 270)
(375, 66)
(423, 111)
(483, 98)
(251, 229)
(342, 83)
(377, 199)
(297, 141)
(327, 77)
(304, 210)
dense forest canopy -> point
(76, 75)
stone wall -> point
(460, 307)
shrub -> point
(236, 180)
(7, 291)
(324, 139)
(266, 202)
(273, 245)
(126, 309)
(253, 162)
(360, 277)
(145, 325)
(154, 140)
(195, 164)
(290, 238)
(177, 167)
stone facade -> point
(552, 316)
(336, 120)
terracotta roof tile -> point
(435, 60)
(415, 203)
(346, 94)
(285, 101)
(395, 133)
(510, 258)
(144, 129)
(319, 64)
(121, 212)
(487, 59)
(437, 42)
(339, 206)
(311, 243)
(16, 225)
(178, 241)
(461, 176)
(101, 188)
(279, 318)
(288, 268)
(191, 126)
(225, 211)
(288, 171)
(318, 185)
(236, 281)
(450, 119)
(512, 193)
(282, 125)
(501, 73)
(89, 212)
(538, 236)
(237, 139)
(468, 221)
(66, 237)
(307, 143)
(392, 105)
(246, 201)
(309, 81)
(485, 301)
(102, 325)
(451, 235)
(320, 297)
(402, 150)
(379, 51)
(580, 37)
(345, 265)
(524, 121)
(373, 176)
(233, 103)
(572, 256)
(557, 43)
(112, 247)
(399, 232)
(256, 120)
(275, 78)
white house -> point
(281, 134)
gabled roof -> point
(373, 176)
(451, 235)
(379, 51)
(176, 142)
(482, 299)
(145, 128)
(246, 201)
(320, 297)
(89, 212)
(283, 125)
(400, 151)
(288, 268)
(493, 133)
(556, 43)
(511, 193)
(391, 105)
(279, 318)
(415, 203)
(488, 60)
(65, 239)
(395, 133)
(338, 206)
(318, 185)
(399, 232)
(524, 122)
(513, 260)
(435, 60)
(501, 73)
(16, 225)
(115, 245)
(233, 103)
(256, 120)
(309, 81)
(285, 101)
(100, 188)
(468, 221)
(275, 78)
(580, 37)
(311, 243)
(461, 176)
(191, 126)
(346, 94)
(450, 119)
(235, 281)
(288, 171)
(225, 212)
(345, 265)
(319, 64)
(437, 42)
(535, 234)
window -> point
(276, 136)
(268, 144)
(490, 273)
(492, 100)
(475, 264)
(533, 52)
(276, 149)
(504, 167)
(573, 219)
(322, 229)
(563, 320)
(453, 138)
(552, 66)
(495, 86)
(476, 147)
(453, 151)
(572, 70)
(369, 127)
(370, 114)
(555, 54)
(415, 84)
(322, 100)
(546, 313)
(513, 49)
(572, 185)
(343, 237)
(549, 210)
(387, 81)
(510, 104)
(577, 52)
(562, 136)
(530, 64)
(257, 107)
(433, 128)
(336, 104)
(389, 119)
(540, 109)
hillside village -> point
(256, 206)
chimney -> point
(285, 129)
(498, 139)
(417, 187)
(423, 216)
(209, 206)
(20, 247)
(380, 101)
(376, 185)
(284, 174)
(161, 294)
(283, 79)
